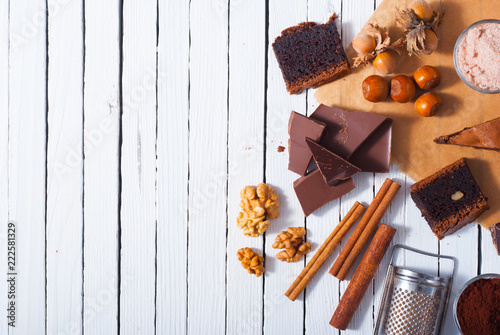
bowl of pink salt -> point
(477, 56)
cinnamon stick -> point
(362, 277)
(365, 229)
(324, 251)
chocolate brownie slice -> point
(310, 55)
(449, 199)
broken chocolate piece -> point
(362, 138)
(345, 131)
(440, 203)
(482, 136)
(313, 192)
(300, 127)
(333, 168)
(495, 234)
(375, 154)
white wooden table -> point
(127, 131)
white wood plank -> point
(463, 245)
(64, 168)
(245, 156)
(322, 293)
(101, 134)
(354, 16)
(138, 168)
(27, 154)
(4, 149)
(173, 110)
(277, 307)
(207, 166)
(490, 260)
(418, 235)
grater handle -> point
(451, 258)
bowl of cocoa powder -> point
(477, 56)
(477, 306)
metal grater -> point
(413, 303)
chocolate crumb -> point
(281, 148)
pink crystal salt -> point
(478, 56)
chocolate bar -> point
(300, 127)
(362, 138)
(313, 192)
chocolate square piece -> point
(310, 55)
(449, 199)
(333, 168)
(362, 138)
(495, 234)
(313, 192)
(301, 127)
(374, 155)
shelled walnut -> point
(255, 204)
(251, 261)
(292, 240)
(294, 254)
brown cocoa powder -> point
(478, 308)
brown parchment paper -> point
(413, 149)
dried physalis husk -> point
(382, 43)
(420, 30)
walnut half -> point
(290, 238)
(251, 261)
(255, 205)
(293, 241)
(294, 254)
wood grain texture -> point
(279, 275)
(354, 16)
(173, 169)
(207, 166)
(4, 148)
(27, 145)
(322, 293)
(245, 157)
(64, 168)
(464, 246)
(138, 168)
(489, 256)
(204, 110)
(101, 175)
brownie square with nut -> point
(449, 199)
